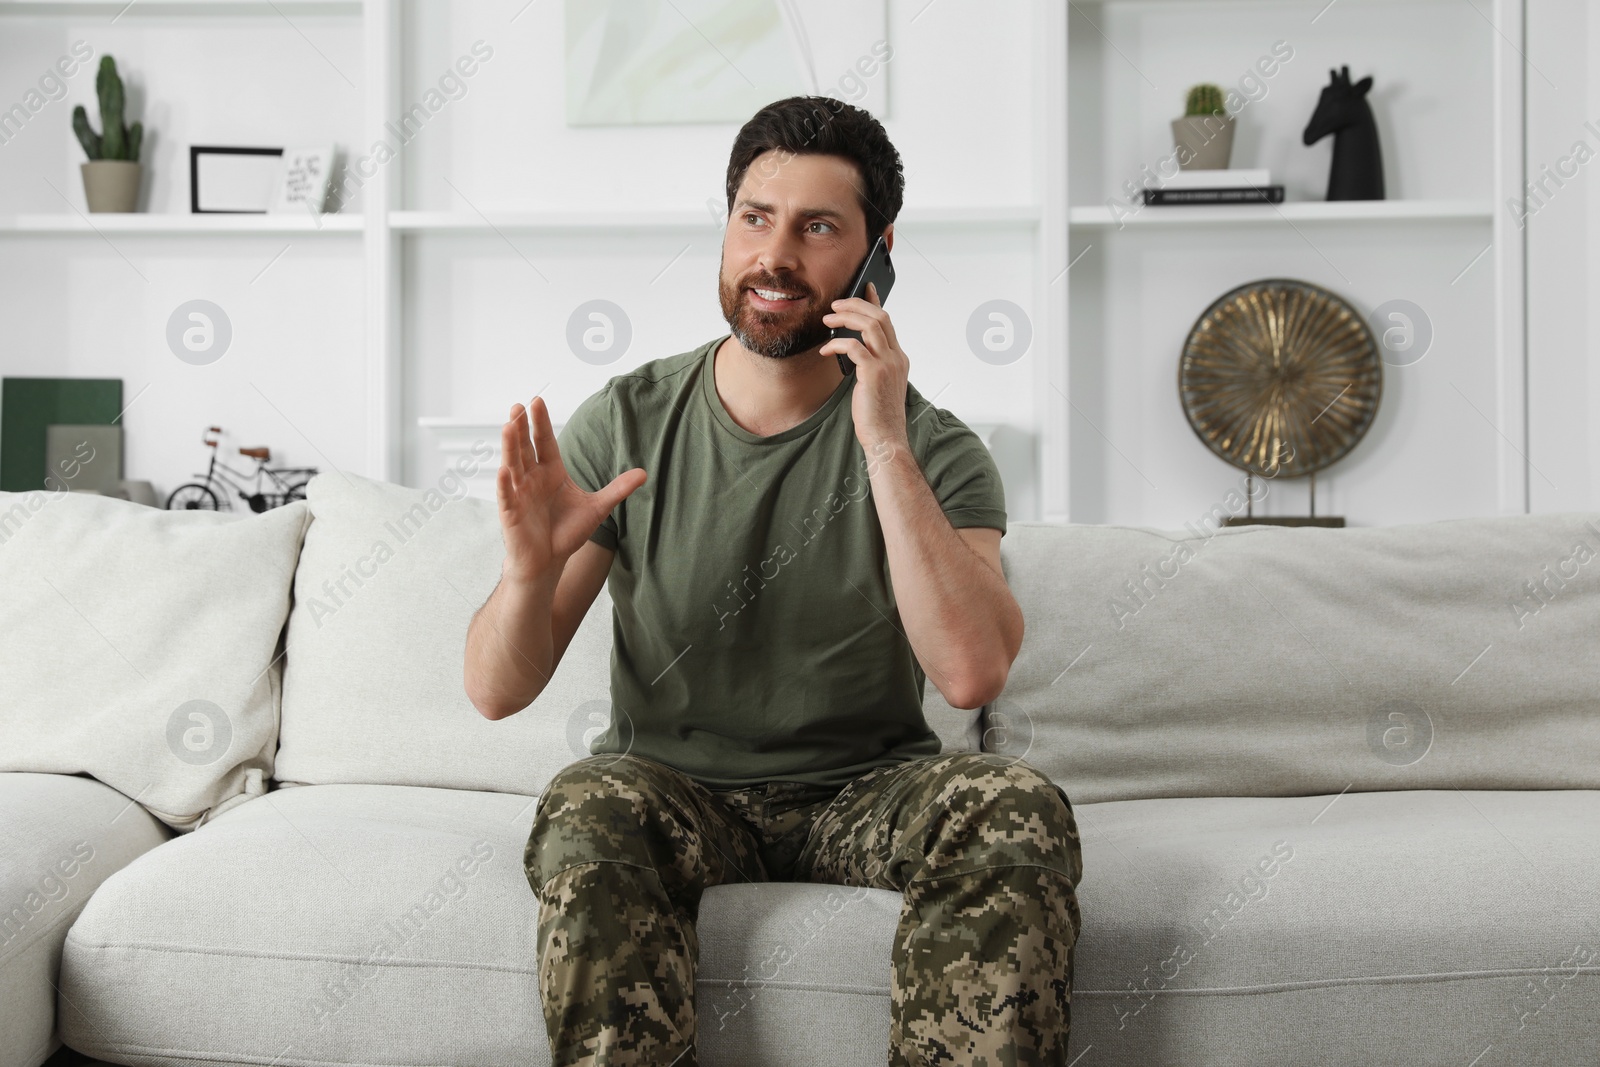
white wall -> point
(1563, 233)
(486, 314)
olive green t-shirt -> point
(755, 632)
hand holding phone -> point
(877, 270)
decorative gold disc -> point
(1280, 377)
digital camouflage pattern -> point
(983, 848)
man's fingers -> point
(621, 487)
(544, 435)
(503, 492)
(846, 346)
(508, 440)
(511, 442)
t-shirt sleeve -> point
(586, 443)
(963, 474)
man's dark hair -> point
(823, 125)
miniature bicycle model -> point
(220, 481)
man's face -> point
(796, 237)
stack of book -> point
(1231, 186)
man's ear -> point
(888, 238)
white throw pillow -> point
(137, 646)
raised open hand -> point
(544, 515)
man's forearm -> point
(958, 614)
(510, 649)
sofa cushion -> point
(61, 835)
(312, 924)
(387, 585)
(1389, 929)
(1281, 661)
(139, 646)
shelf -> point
(1309, 211)
(592, 221)
(450, 222)
(155, 8)
(1179, 4)
(176, 225)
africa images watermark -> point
(452, 85)
(52, 87)
(853, 85)
(448, 888)
(741, 594)
(1540, 190)
(1254, 884)
(404, 528)
(34, 501)
(1535, 998)
(1540, 591)
(816, 919)
(1143, 587)
(51, 888)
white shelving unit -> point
(1347, 211)
(1108, 286)
(386, 218)
(633, 222)
(178, 225)
(183, 8)
(1448, 98)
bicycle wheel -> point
(192, 497)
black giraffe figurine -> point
(1357, 170)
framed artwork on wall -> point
(629, 63)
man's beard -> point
(774, 334)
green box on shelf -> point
(28, 405)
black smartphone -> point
(876, 269)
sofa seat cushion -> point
(381, 924)
(61, 836)
(1406, 928)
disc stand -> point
(1249, 519)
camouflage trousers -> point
(983, 848)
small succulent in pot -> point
(1203, 99)
(111, 177)
(1204, 135)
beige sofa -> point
(1337, 789)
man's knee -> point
(607, 773)
(1007, 811)
(596, 809)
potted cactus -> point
(1204, 135)
(111, 177)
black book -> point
(1250, 194)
